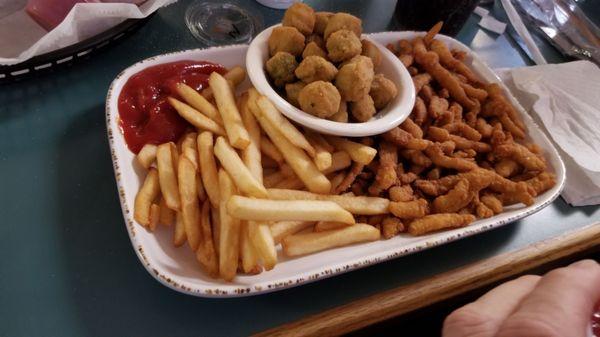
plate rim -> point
(236, 290)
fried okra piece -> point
(370, 50)
(383, 91)
(363, 109)
(300, 16)
(316, 68)
(292, 90)
(354, 78)
(320, 99)
(313, 49)
(321, 20)
(287, 39)
(340, 21)
(343, 45)
(342, 114)
(281, 68)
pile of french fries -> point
(247, 179)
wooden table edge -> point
(404, 299)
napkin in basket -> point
(566, 99)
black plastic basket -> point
(68, 55)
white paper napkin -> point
(566, 98)
(21, 38)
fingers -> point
(561, 304)
(484, 317)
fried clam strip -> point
(512, 192)
(481, 209)
(411, 127)
(448, 60)
(388, 160)
(430, 62)
(471, 91)
(542, 182)
(441, 135)
(436, 222)
(437, 106)
(437, 156)
(498, 106)
(409, 209)
(401, 193)
(419, 112)
(345, 184)
(478, 179)
(506, 167)
(492, 202)
(405, 139)
(457, 198)
(521, 155)
(416, 157)
(464, 130)
(420, 80)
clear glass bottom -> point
(222, 23)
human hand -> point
(558, 304)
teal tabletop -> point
(68, 267)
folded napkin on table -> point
(566, 98)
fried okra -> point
(343, 45)
(287, 39)
(343, 21)
(281, 68)
(320, 99)
(315, 68)
(300, 16)
(383, 91)
(354, 78)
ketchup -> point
(146, 117)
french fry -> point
(283, 125)
(195, 117)
(167, 175)
(322, 157)
(292, 183)
(262, 240)
(322, 226)
(229, 250)
(189, 148)
(234, 77)
(287, 171)
(167, 215)
(200, 187)
(216, 228)
(337, 180)
(179, 238)
(247, 252)
(236, 133)
(295, 157)
(273, 179)
(339, 161)
(301, 244)
(206, 254)
(251, 155)
(147, 155)
(269, 149)
(354, 204)
(233, 164)
(190, 209)
(278, 210)
(281, 229)
(208, 168)
(149, 191)
(360, 153)
(154, 217)
(198, 102)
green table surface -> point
(67, 264)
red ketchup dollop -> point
(146, 117)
